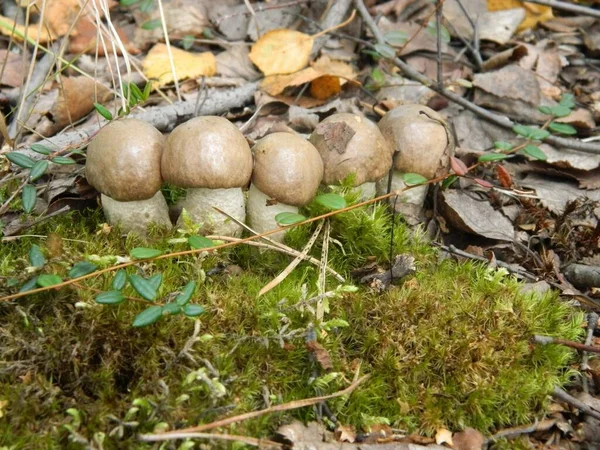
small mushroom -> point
(209, 156)
(287, 173)
(422, 145)
(123, 164)
(351, 144)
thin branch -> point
(567, 398)
(545, 340)
(261, 443)
(570, 7)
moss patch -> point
(449, 347)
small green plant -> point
(329, 201)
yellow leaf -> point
(3, 404)
(282, 51)
(8, 28)
(157, 65)
(534, 13)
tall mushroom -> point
(123, 163)
(209, 156)
(287, 173)
(351, 144)
(422, 144)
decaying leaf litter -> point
(279, 330)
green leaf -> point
(147, 6)
(28, 197)
(534, 152)
(127, 3)
(567, 100)
(385, 50)
(11, 282)
(171, 309)
(562, 128)
(186, 294)
(41, 149)
(448, 181)
(331, 201)
(147, 90)
(110, 298)
(36, 257)
(193, 310)
(135, 91)
(148, 316)
(82, 268)
(31, 284)
(288, 218)
(103, 111)
(63, 160)
(412, 179)
(145, 253)
(151, 24)
(432, 29)
(187, 41)
(156, 281)
(522, 130)
(198, 242)
(20, 159)
(492, 157)
(560, 111)
(143, 287)
(538, 134)
(38, 169)
(48, 279)
(503, 145)
(119, 280)
(545, 110)
(378, 76)
(396, 38)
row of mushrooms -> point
(128, 161)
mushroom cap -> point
(207, 152)
(422, 143)
(287, 168)
(348, 144)
(123, 160)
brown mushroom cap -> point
(351, 144)
(287, 168)
(123, 160)
(423, 144)
(207, 152)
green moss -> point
(449, 347)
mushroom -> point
(123, 163)
(423, 145)
(287, 173)
(350, 144)
(209, 156)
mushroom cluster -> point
(128, 161)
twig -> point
(503, 121)
(568, 7)
(476, 53)
(334, 15)
(569, 399)
(545, 340)
(261, 443)
(511, 433)
(251, 415)
(592, 324)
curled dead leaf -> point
(157, 65)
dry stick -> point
(261, 443)
(476, 53)
(251, 415)
(568, 7)
(544, 340)
(503, 121)
(164, 118)
(567, 398)
(592, 324)
(334, 15)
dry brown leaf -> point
(580, 118)
(325, 87)
(84, 39)
(469, 439)
(60, 15)
(76, 99)
(13, 68)
(8, 28)
(344, 433)
(157, 66)
(282, 51)
(321, 354)
(534, 14)
(443, 436)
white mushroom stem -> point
(137, 215)
(261, 214)
(410, 202)
(200, 205)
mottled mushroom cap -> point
(287, 168)
(123, 160)
(350, 144)
(207, 152)
(422, 143)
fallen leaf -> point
(76, 100)
(282, 51)
(503, 176)
(499, 26)
(234, 62)
(12, 75)
(320, 354)
(555, 193)
(443, 436)
(579, 118)
(9, 28)
(468, 439)
(534, 14)
(84, 39)
(60, 15)
(157, 65)
(476, 217)
(344, 433)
